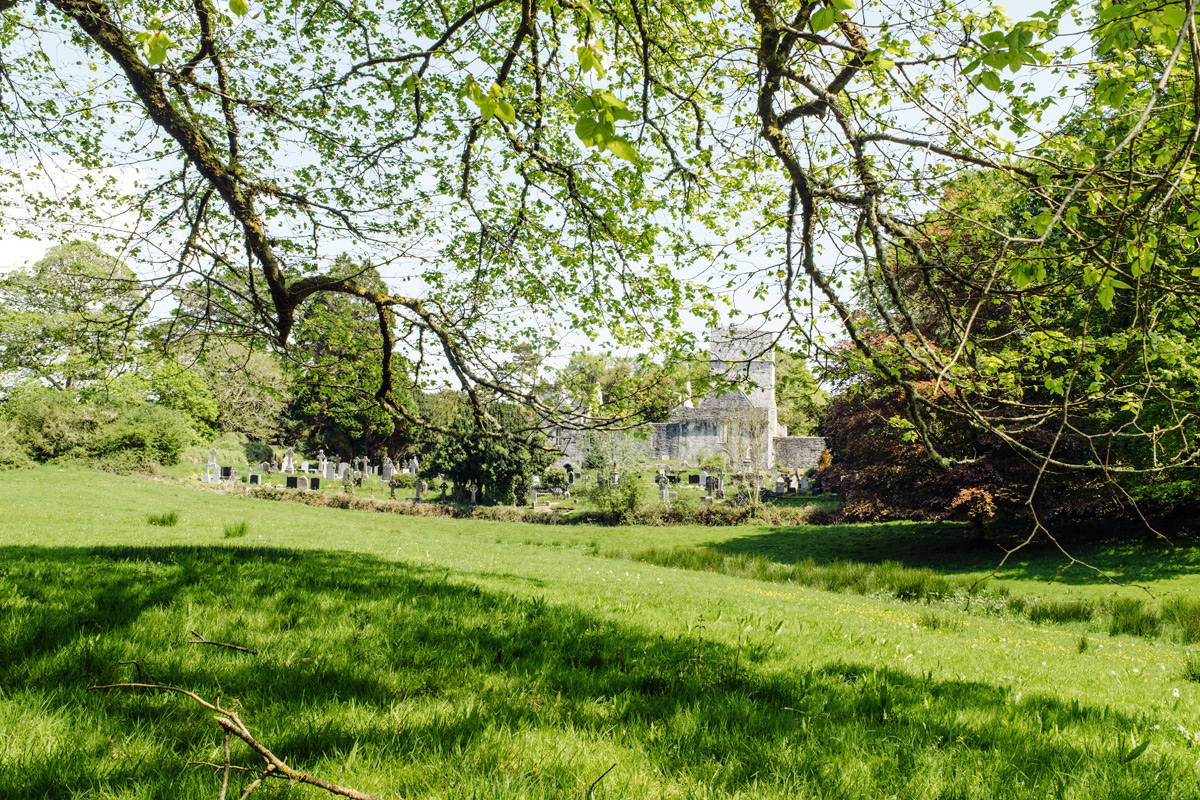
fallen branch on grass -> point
(592, 788)
(201, 640)
(231, 723)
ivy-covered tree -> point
(334, 375)
(497, 464)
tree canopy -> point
(524, 169)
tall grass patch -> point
(166, 519)
(1185, 615)
(887, 578)
(1132, 616)
(1061, 611)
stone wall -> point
(798, 451)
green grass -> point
(416, 657)
(165, 519)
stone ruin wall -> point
(801, 452)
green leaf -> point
(239, 7)
(612, 100)
(621, 148)
(824, 18)
(591, 11)
(842, 5)
(588, 131)
(990, 80)
(157, 45)
(505, 111)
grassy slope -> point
(420, 657)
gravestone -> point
(388, 469)
(212, 469)
(255, 479)
(292, 482)
(301, 482)
(289, 461)
(473, 489)
(321, 460)
(265, 467)
(414, 465)
(804, 483)
(421, 487)
(314, 483)
(693, 480)
(304, 467)
(226, 473)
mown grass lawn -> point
(416, 657)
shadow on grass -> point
(953, 548)
(399, 664)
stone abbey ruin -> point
(742, 423)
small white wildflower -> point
(1135, 669)
(1175, 692)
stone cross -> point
(289, 460)
(473, 488)
(389, 468)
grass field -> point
(416, 657)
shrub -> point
(12, 453)
(148, 433)
(713, 463)
(405, 480)
(617, 501)
(554, 478)
(52, 424)
(257, 452)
